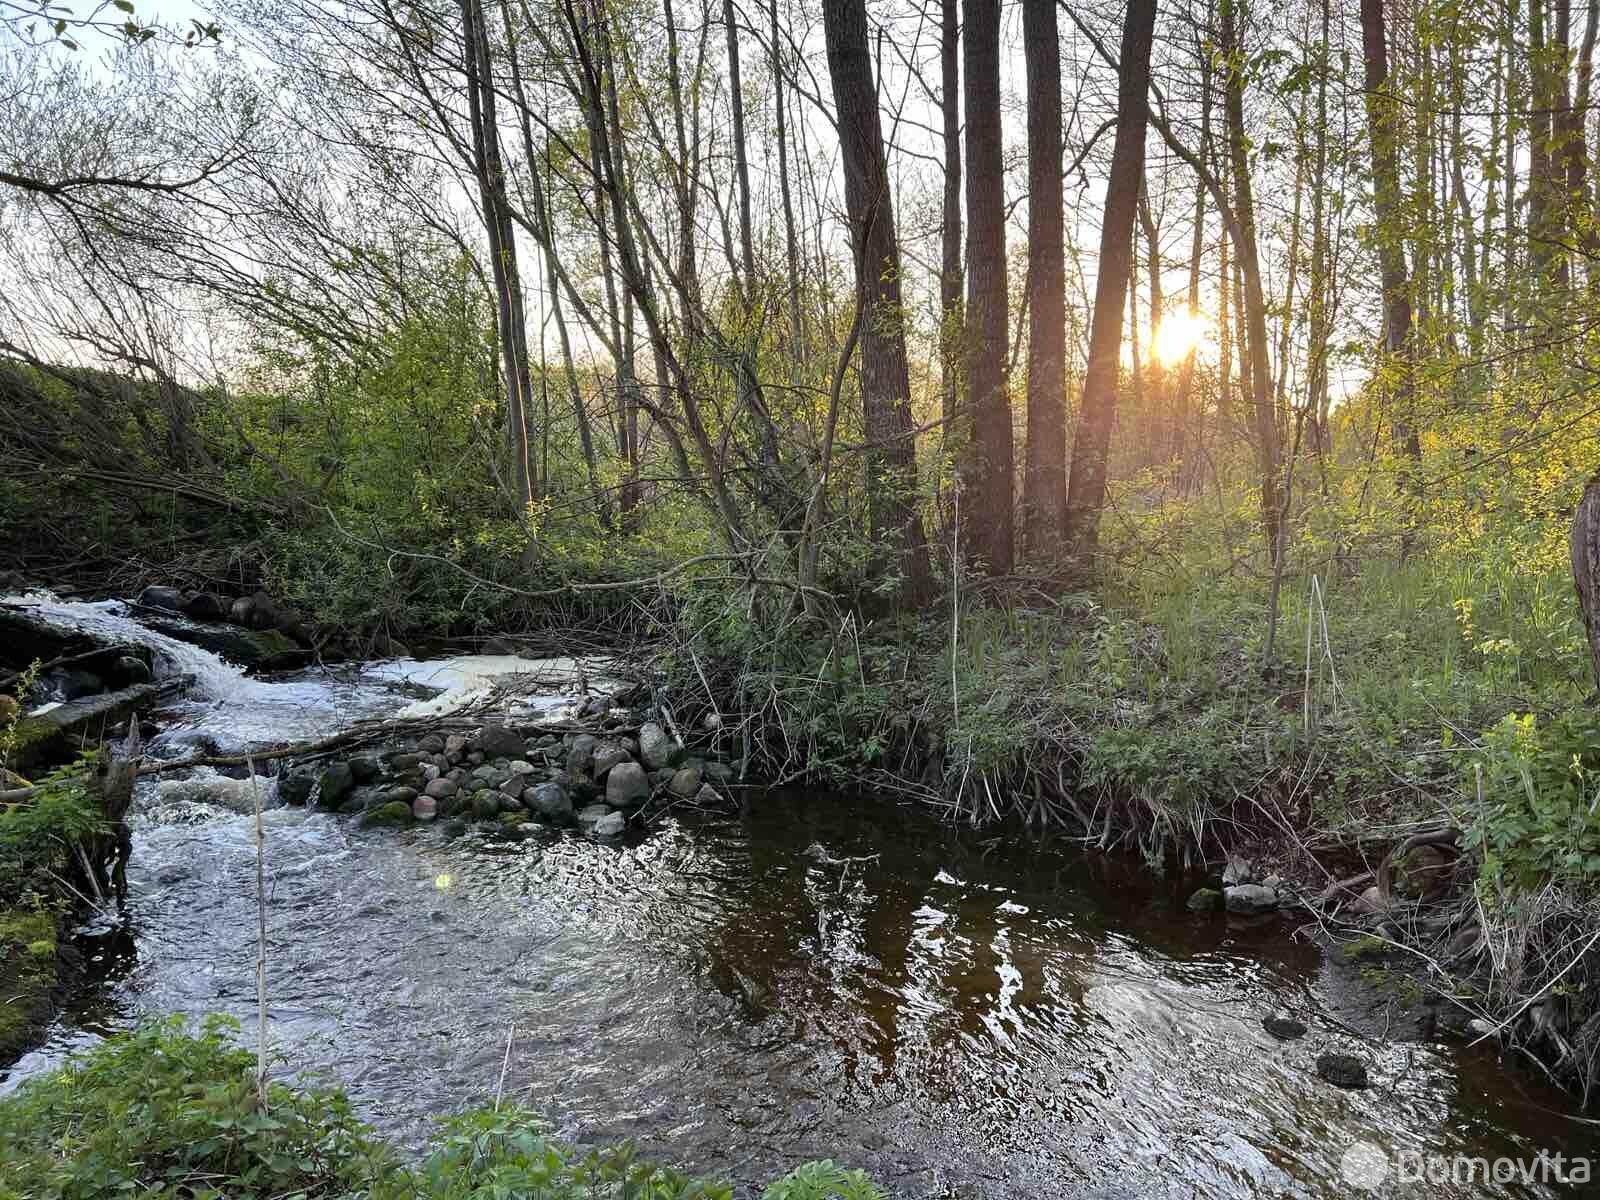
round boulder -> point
(656, 747)
(550, 801)
(627, 786)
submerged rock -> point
(391, 814)
(611, 825)
(1342, 1070)
(1285, 1029)
(589, 816)
(335, 782)
(294, 787)
(550, 801)
(1249, 898)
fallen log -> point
(83, 723)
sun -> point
(1178, 336)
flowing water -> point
(962, 1014)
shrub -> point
(163, 1111)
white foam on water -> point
(214, 678)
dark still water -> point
(960, 1015)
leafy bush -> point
(38, 835)
(165, 1112)
(161, 1112)
(1539, 816)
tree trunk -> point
(1044, 480)
(885, 383)
(490, 171)
(950, 280)
(1263, 418)
(1087, 490)
(986, 453)
(1397, 333)
(1585, 546)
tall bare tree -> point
(1044, 480)
(986, 450)
(885, 382)
(1091, 445)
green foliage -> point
(159, 1112)
(37, 836)
(823, 1181)
(488, 1154)
(163, 1111)
(1538, 819)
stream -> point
(962, 1013)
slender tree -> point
(1092, 443)
(885, 382)
(1044, 480)
(986, 452)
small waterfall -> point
(214, 677)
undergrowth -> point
(169, 1111)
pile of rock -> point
(1246, 891)
(277, 634)
(598, 782)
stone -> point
(496, 646)
(685, 781)
(656, 747)
(550, 801)
(156, 596)
(335, 781)
(606, 756)
(1370, 903)
(474, 758)
(485, 804)
(1239, 870)
(432, 743)
(402, 795)
(513, 786)
(1342, 1070)
(1285, 1029)
(662, 777)
(205, 606)
(454, 746)
(1205, 900)
(442, 788)
(626, 786)
(424, 808)
(520, 767)
(294, 787)
(132, 670)
(590, 814)
(498, 741)
(393, 814)
(610, 825)
(708, 796)
(1249, 898)
(430, 772)
(365, 768)
(404, 760)
(580, 756)
(718, 772)
(1424, 873)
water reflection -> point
(819, 978)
